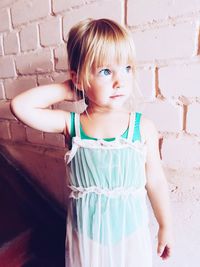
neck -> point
(104, 110)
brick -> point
(25, 11)
(51, 32)
(18, 133)
(34, 136)
(96, 10)
(182, 84)
(7, 67)
(60, 77)
(11, 43)
(146, 83)
(2, 93)
(192, 123)
(63, 5)
(4, 130)
(61, 58)
(5, 20)
(53, 139)
(19, 85)
(6, 3)
(44, 79)
(166, 43)
(1, 46)
(166, 116)
(40, 61)
(29, 37)
(5, 112)
(140, 12)
(78, 106)
(182, 152)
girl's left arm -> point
(157, 190)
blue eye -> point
(128, 68)
(105, 72)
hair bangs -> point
(114, 53)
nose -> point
(118, 79)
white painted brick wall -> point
(2, 93)
(146, 82)
(50, 32)
(7, 67)
(95, 10)
(25, 11)
(40, 62)
(140, 12)
(34, 136)
(54, 139)
(19, 85)
(1, 46)
(44, 79)
(181, 153)
(166, 115)
(11, 43)
(63, 5)
(6, 3)
(60, 77)
(179, 80)
(193, 119)
(5, 112)
(61, 57)
(29, 37)
(167, 42)
(5, 130)
(5, 20)
(18, 132)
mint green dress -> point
(107, 222)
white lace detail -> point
(78, 192)
(118, 143)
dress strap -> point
(137, 135)
(72, 124)
(77, 125)
(131, 126)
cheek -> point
(129, 83)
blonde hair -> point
(94, 43)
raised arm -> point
(31, 106)
(157, 189)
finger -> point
(160, 249)
(166, 253)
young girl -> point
(113, 159)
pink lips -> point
(116, 96)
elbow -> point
(13, 105)
(15, 108)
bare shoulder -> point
(148, 129)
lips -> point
(116, 96)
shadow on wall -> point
(27, 228)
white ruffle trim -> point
(118, 143)
(78, 192)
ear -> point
(75, 81)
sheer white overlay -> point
(107, 222)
